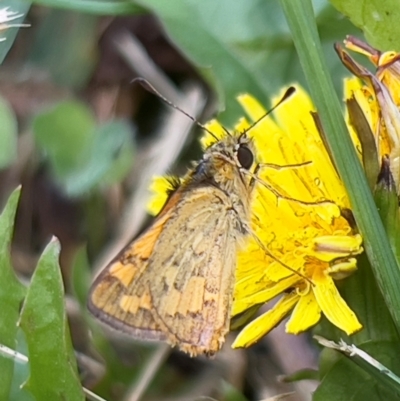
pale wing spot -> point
(172, 302)
(199, 244)
(170, 276)
(101, 295)
(211, 296)
(109, 308)
(132, 303)
(197, 240)
(192, 298)
(123, 273)
(145, 301)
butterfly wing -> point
(119, 295)
(175, 282)
(192, 294)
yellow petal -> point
(361, 47)
(266, 322)
(343, 269)
(242, 125)
(388, 73)
(305, 314)
(330, 247)
(333, 305)
(242, 303)
(250, 105)
(161, 188)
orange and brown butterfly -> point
(175, 282)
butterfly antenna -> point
(150, 88)
(289, 92)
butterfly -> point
(175, 282)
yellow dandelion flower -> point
(387, 63)
(302, 241)
(379, 97)
(300, 223)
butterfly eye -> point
(245, 157)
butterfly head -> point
(225, 160)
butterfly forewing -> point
(198, 272)
(188, 300)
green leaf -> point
(63, 133)
(81, 276)
(66, 47)
(108, 158)
(53, 371)
(343, 382)
(83, 155)
(230, 393)
(11, 294)
(18, 8)
(121, 7)
(235, 55)
(21, 372)
(8, 134)
(120, 154)
(302, 374)
(379, 20)
(348, 380)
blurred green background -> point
(84, 142)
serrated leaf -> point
(379, 20)
(11, 294)
(12, 12)
(8, 134)
(53, 371)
